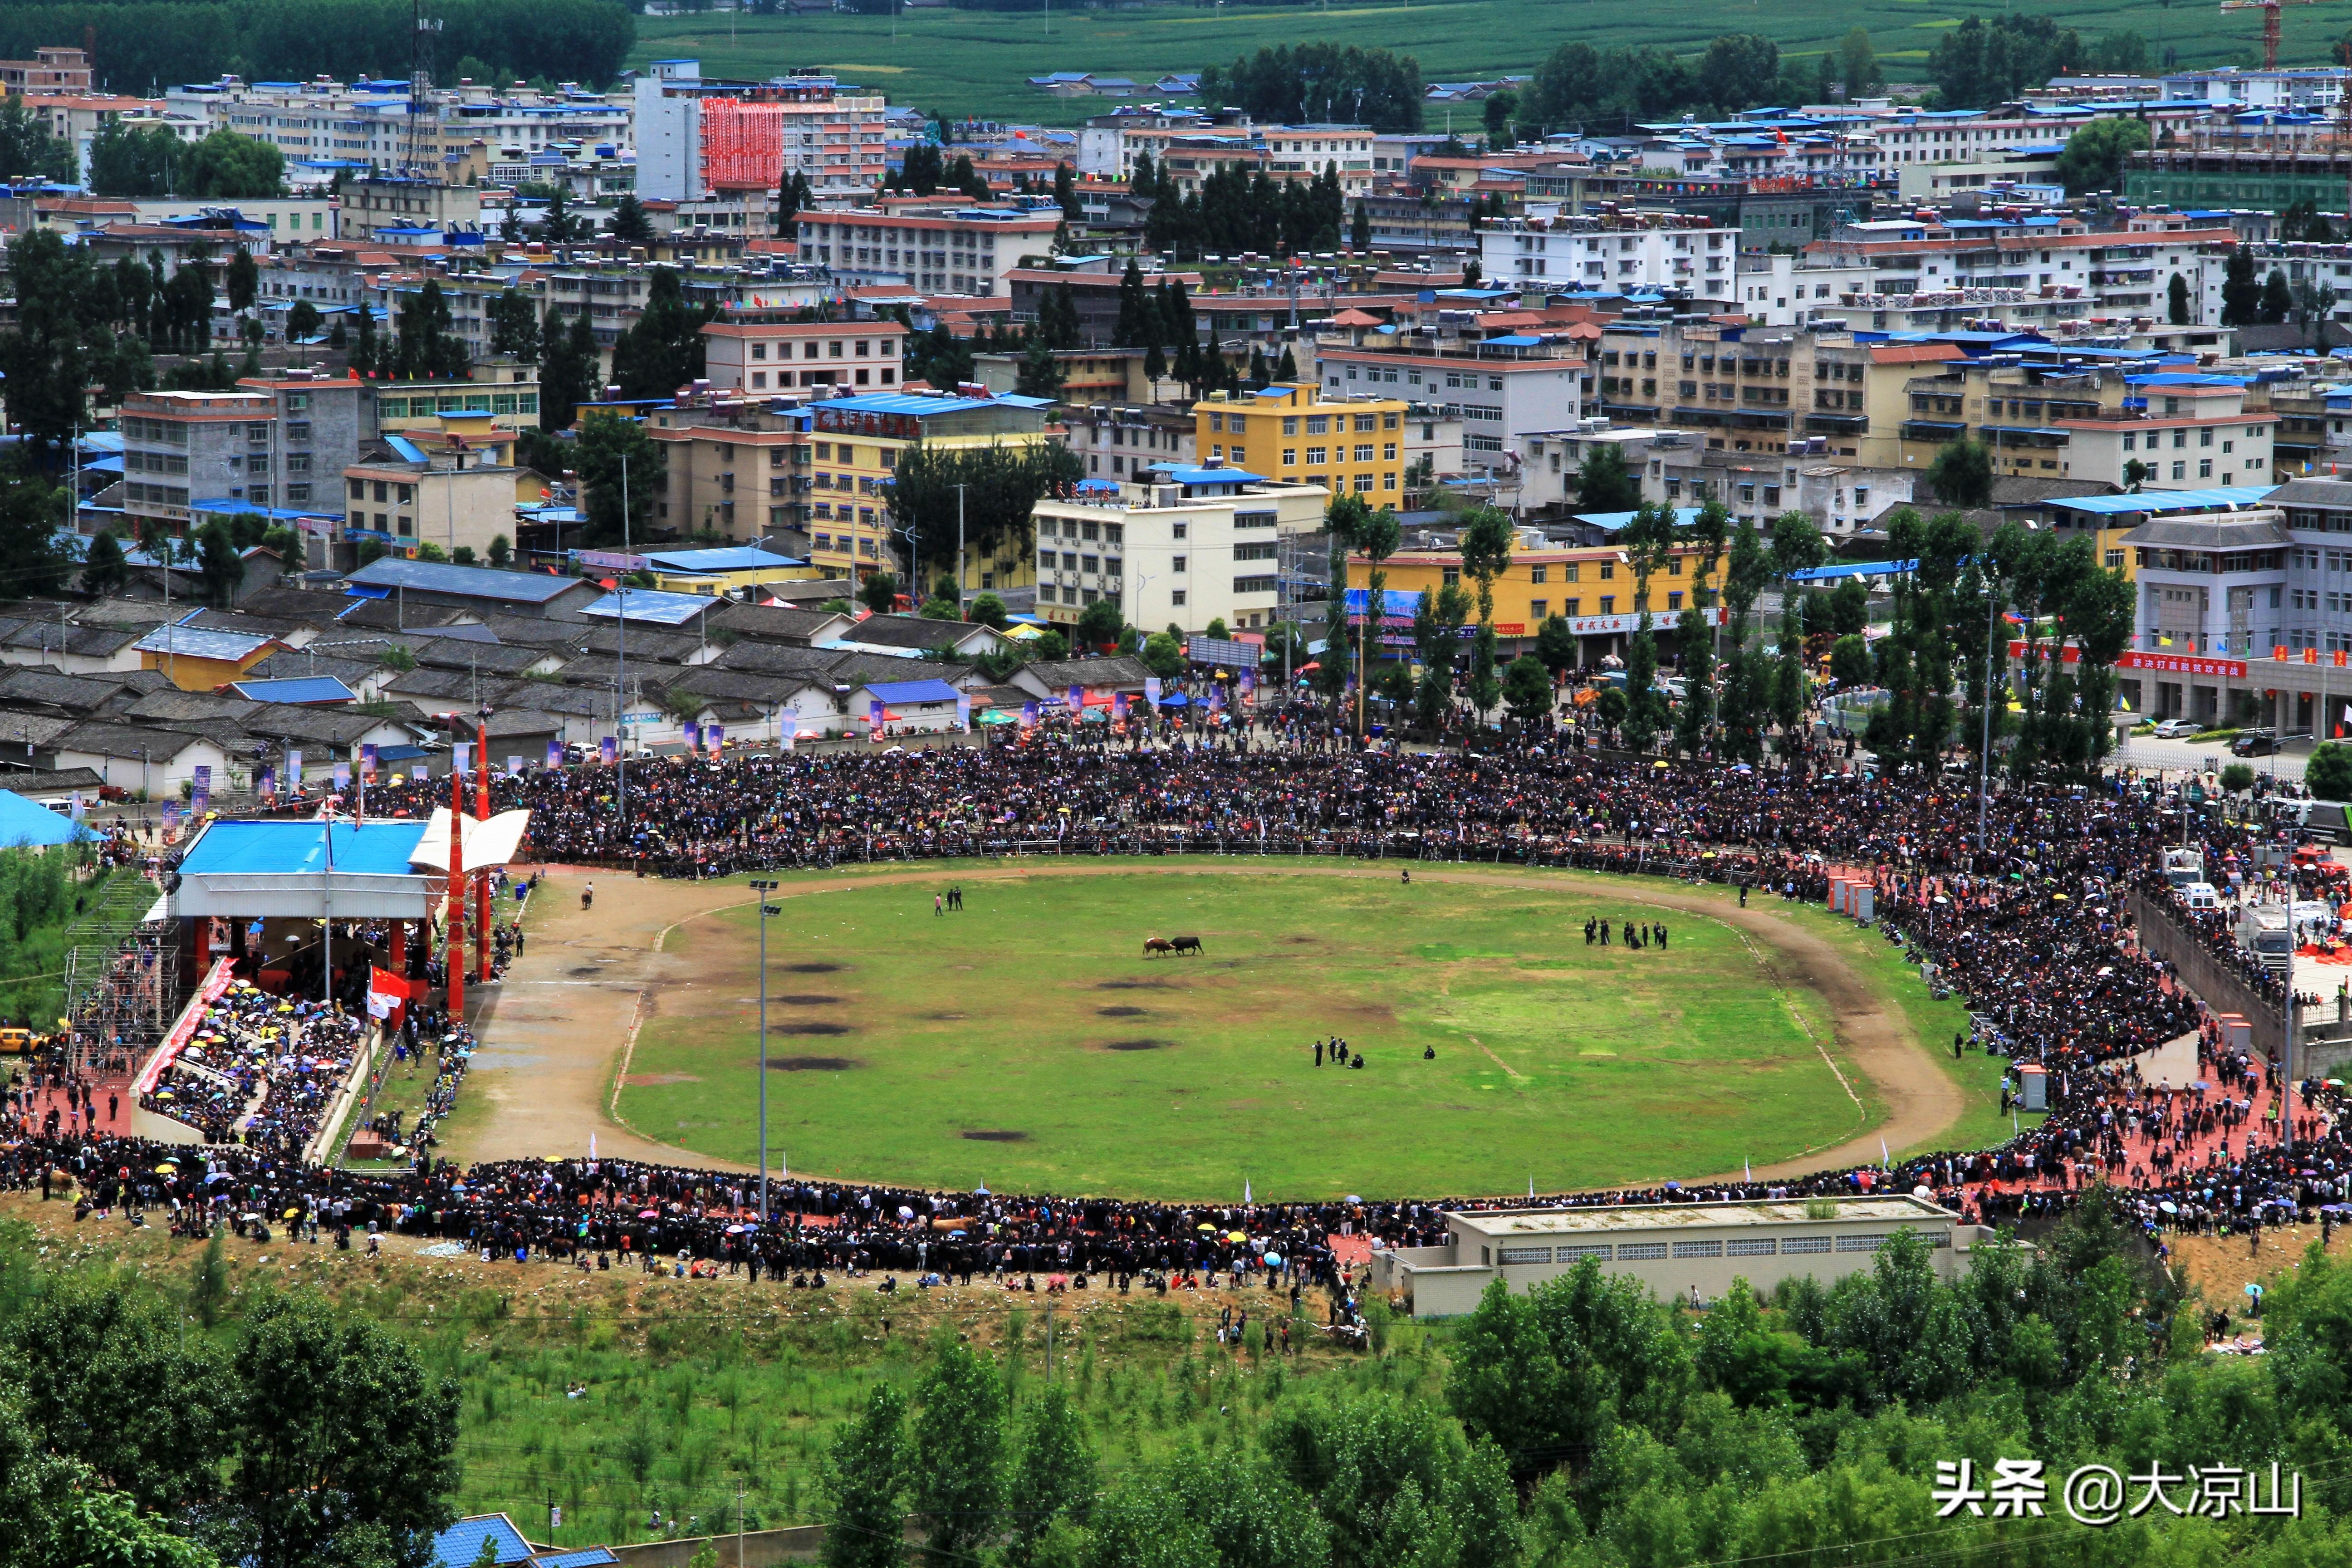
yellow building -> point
(194, 658)
(1286, 433)
(1590, 587)
(858, 440)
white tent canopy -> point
(491, 842)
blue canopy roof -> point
(299, 848)
(2159, 504)
(912, 690)
(651, 606)
(1610, 522)
(739, 558)
(1854, 569)
(307, 688)
(28, 822)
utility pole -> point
(960, 550)
(621, 668)
(1984, 749)
(766, 908)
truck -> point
(2263, 930)
(2182, 866)
(2323, 821)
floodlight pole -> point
(762, 889)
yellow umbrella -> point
(292, 1212)
(167, 1168)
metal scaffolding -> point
(123, 973)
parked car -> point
(2253, 743)
(2177, 728)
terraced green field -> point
(975, 62)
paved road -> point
(2142, 751)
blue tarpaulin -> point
(28, 822)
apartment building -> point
(1178, 545)
(1496, 387)
(734, 466)
(1621, 254)
(1120, 441)
(273, 442)
(1744, 388)
(368, 121)
(857, 441)
(379, 203)
(968, 250)
(2031, 274)
(501, 393)
(695, 136)
(1294, 435)
(50, 70)
(760, 352)
(447, 499)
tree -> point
(1437, 620)
(219, 567)
(1556, 646)
(630, 224)
(2242, 293)
(227, 165)
(28, 151)
(794, 196)
(1098, 625)
(1858, 64)
(1164, 656)
(2239, 777)
(514, 325)
(2277, 300)
(243, 280)
(32, 511)
(1320, 83)
(1485, 546)
(501, 552)
(605, 439)
(2176, 302)
(1603, 484)
(301, 322)
(662, 351)
(102, 570)
(1850, 661)
(1527, 688)
(1739, 70)
(68, 337)
(986, 494)
(957, 1470)
(879, 592)
(1039, 374)
(1054, 1475)
(2315, 306)
(2328, 771)
(429, 348)
(567, 371)
(1065, 191)
(863, 1477)
(2094, 154)
(1360, 235)
(337, 1437)
(1962, 474)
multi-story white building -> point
(369, 121)
(1183, 546)
(1493, 389)
(969, 250)
(1614, 254)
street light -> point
(766, 908)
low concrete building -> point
(1672, 1248)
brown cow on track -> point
(1152, 944)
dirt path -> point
(556, 1034)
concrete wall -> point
(2221, 988)
(761, 1548)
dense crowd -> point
(2025, 918)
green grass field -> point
(974, 62)
(1025, 1044)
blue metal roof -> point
(298, 849)
(1854, 569)
(2159, 503)
(741, 558)
(904, 403)
(460, 1545)
(308, 689)
(28, 822)
(912, 690)
(1176, 474)
(472, 581)
(586, 1557)
(193, 642)
(1610, 522)
(651, 607)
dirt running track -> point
(556, 1034)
